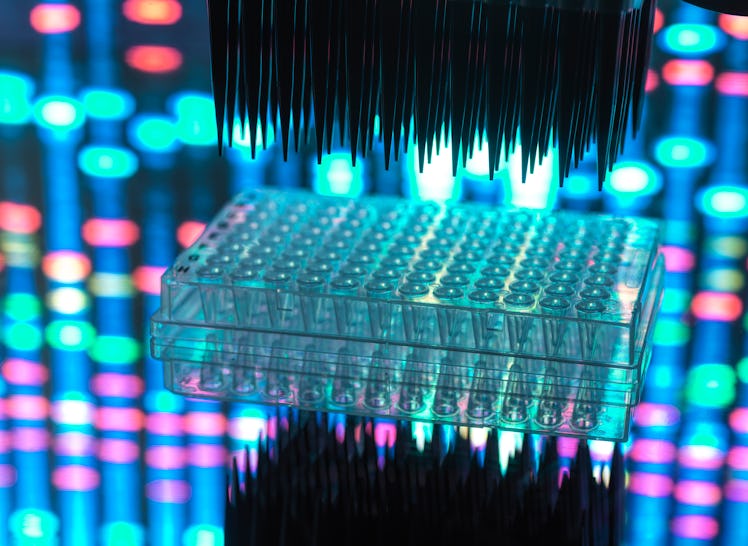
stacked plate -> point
(460, 314)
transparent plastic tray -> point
(490, 291)
(333, 357)
(488, 393)
(510, 405)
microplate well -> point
(464, 314)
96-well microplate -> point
(464, 314)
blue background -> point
(108, 167)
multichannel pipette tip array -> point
(567, 73)
(317, 482)
(455, 314)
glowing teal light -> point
(675, 300)
(724, 201)
(196, 119)
(22, 336)
(37, 527)
(337, 176)
(70, 335)
(578, 186)
(671, 332)
(243, 141)
(203, 535)
(253, 412)
(59, 113)
(711, 385)
(661, 377)
(153, 134)
(107, 104)
(683, 152)
(15, 98)
(163, 402)
(632, 179)
(692, 39)
(107, 162)
(436, 182)
(122, 533)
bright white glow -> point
(73, 412)
(203, 535)
(105, 162)
(606, 475)
(680, 152)
(688, 38)
(247, 429)
(243, 141)
(59, 113)
(509, 444)
(728, 201)
(478, 437)
(601, 450)
(478, 163)
(336, 175)
(31, 527)
(629, 179)
(71, 336)
(205, 538)
(67, 300)
(421, 434)
(724, 201)
(436, 182)
(340, 176)
(702, 453)
(541, 187)
(692, 39)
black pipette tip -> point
(445, 69)
(336, 493)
